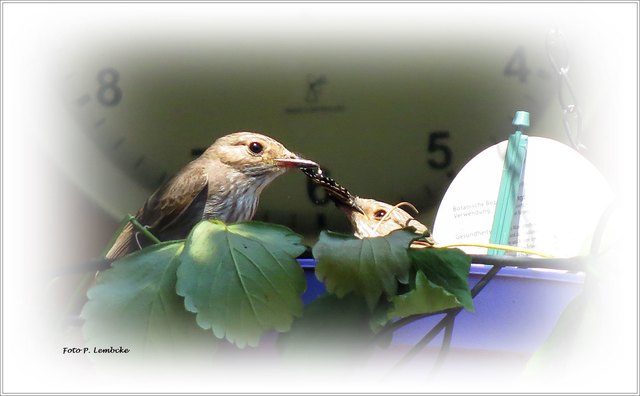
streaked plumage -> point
(225, 183)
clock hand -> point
(224, 183)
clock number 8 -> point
(109, 93)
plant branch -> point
(131, 219)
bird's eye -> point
(255, 147)
(379, 213)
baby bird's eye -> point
(255, 147)
(380, 213)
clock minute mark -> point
(433, 196)
(429, 192)
(83, 100)
(139, 162)
(162, 178)
(118, 143)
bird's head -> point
(368, 217)
(375, 218)
(256, 155)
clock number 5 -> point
(109, 93)
(437, 145)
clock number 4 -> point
(517, 65)
(441, 151)
(109, 93)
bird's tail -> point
(124, 244)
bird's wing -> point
(164, 208)
(167, 205)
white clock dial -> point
(393, 116)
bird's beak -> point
(350, 204)
(295, 162)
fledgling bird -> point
(376, 218)
(368, 217)
(225, 183)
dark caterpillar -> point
(338, 194)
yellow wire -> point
(499, 247)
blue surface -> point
(515, 312)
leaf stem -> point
(499, 247)
(435, 330)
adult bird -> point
(224, 183)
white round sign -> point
(562, 197)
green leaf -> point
(368, 267)
(379, 317)
(134, 303)
(332, 327)
(242, 279)
(425, 298)
(447, 268)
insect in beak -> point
(338, 194)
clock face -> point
(392, 114)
